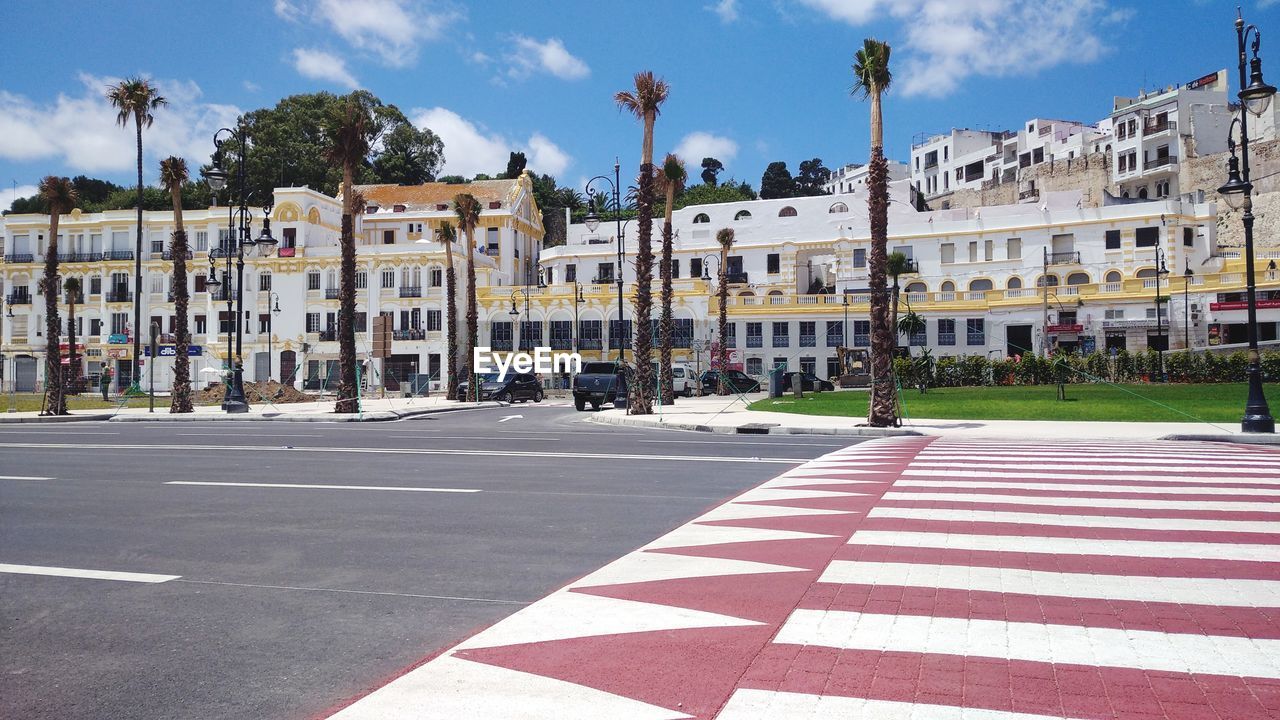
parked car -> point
(738, 381)
(515, 387)
(683, 379)
(808, 383)
(598, 383)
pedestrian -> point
(104, 381)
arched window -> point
(1050, 280)
(917, 287)
(1015, 283)
(1124, 194)
(980, 284)
(746, 293)
(1078, 278)
(1114, 276)
(838, 208)
(742, 215)
(701, 218)
(787, 211)
(948, 286)
(1146, 273)
(1142, 194)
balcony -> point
(287, 252)
(119, 296)
(117, 255)
(328, 335)
(808, 340)
(1168, 161)
(590, 344)
(603, 280)
(168, 255)
(410, 292)
(332, 293)
(738, 278)
(945, 338)
(1064, 258)
(23, 299)
(410, 334)
(1157, 128)
(78, 257)
(755, 341)
(20, 258)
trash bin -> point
(775, 382)
(797, 384)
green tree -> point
(60, 196)
(136, 99)
(174, 176)
(896, 266)
(724, 236)
(728, 191)
(467, 208)
(871, 79)
(447, 236)
(777, 182)
(813, 175)
(711, 169)
(408, 156)
(515, 165)
(670, 180)
(645, 102)
(71, 381)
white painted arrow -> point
(511, 417)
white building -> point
(854, 175)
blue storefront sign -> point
(117, 339)
(171, 351)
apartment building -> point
(850, 177)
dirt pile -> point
(269, 391)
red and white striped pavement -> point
(914, 579)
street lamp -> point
(239, 236)
(578, 302)
(273, 309)
(1186, 306)
(1161, 337)
(592, 221)
(1255, 97)
(13, 381)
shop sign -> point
(118, 339)
(1243, 305)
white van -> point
(683, 380)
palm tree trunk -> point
(883, 410)
(181, 402)
(348, 383)
(137, 268)
(72, 376)
(722, 388)
(451, 315)
(643, 351)
(665, 322)
(54, 401)
(473, 334)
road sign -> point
(382, 336)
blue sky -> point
(752, 81)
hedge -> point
(1181, 366)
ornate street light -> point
(592, 221)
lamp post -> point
(592, 221)
(13, 362)
(515, 313)
(578, 301)
(1186, 307)
(239, 236)
(1161, 337)
(1255, 97)
(706, 277)
(273, 309)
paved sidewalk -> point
(913, 578)
(730, 415)
(373, 409)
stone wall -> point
(1089, 174)
(1209, 172)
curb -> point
(55, 418)
(1241, 438)
(376, 416)
(755, 430)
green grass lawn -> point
(1125, 403)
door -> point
(261, 366)
(288, 365)
(25, 373)
(1018, 340)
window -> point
(202, 324)
(948, 251)
(388, 237)
(604, 272)
(95, 327)
(835, 333)
(980, 285)
(976, 333)
(388, 278)
(361, 322)
(491, 241)
(157, 282)
(1013, 248)
(701, 218)
(862, 333)
(695, 268)
(362, 280)
(808, 334)
(742, 215)
(530, 333)
(755, 334)
(731, 335)
(988, 250)
(682, 333)
(95, 284)
(946, 332)
(264, 322)
(589, 334)
(920, 337)
(773, 263)
(1114, 314)
(202, 240)
(571, 273)
(289, 238)
(780, 363)
(755, 366)
(809, 365)
(1113, 239)
(1147, 236)
(561, 334)
(313, 280)
(675, 268)
(500, 334)
(1015, 283)
(435, 277)
(787, 211)
(838, 208)
(264, 282)
(620, 334)
(1078, 278)
(1188, 237)
(860, 257)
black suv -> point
(599, 383)
(516, 386)
(808, 382)
(737, 381)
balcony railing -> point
(20, 258)
(602, 280)
(1064, 258)
(946, 338)
(755, 341)
(287, 252)
(410, 291)
(117, 255)
(739, 278)
(561, 343)
(79, 257)
(590, 343)
(117, 296)
(1166, 161)
(168, 255)
(23, 299)
(327, 335)
(1157, 128)
(410, 334)
(331, 293)
(861, 340)
(808, 341)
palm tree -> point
(909, 325)
(896, 265)
(447, 237)
(350, 133)
(871, 79)
(135, 99)
(173, 173)
(72, 380)
(671, 180)
(724, 236)
(645, 103)
(467, 209)
(60, 195)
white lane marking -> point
(1195, 591)
(293, 486)
(1068, 458)
(88, 574)
(1058, 501)
(1069, 546)
(1037, 642)
(1030, 475)
(1141, 489)
(734, 442)
(734, 511)
(748, 704)
(23, 477)
(649, 566)
(697, 535)
(1093, 521)
(252, 434)
(511, 417)
(54, 432)
(1224, 467)
(542, 454)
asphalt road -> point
(291, 601)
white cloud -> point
(697, 145)
(251, 86)
(81, 132)
(1266, 3)
(390, 30)
(469, 149)
(551, 57)
(949, 42)
(726, 9)
(320, 65)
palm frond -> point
(871, 68)
(135, 98)
(672, 174)
(447, 234)
(59, 194)
(648, 96)
(173, 172)
(724, 236)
